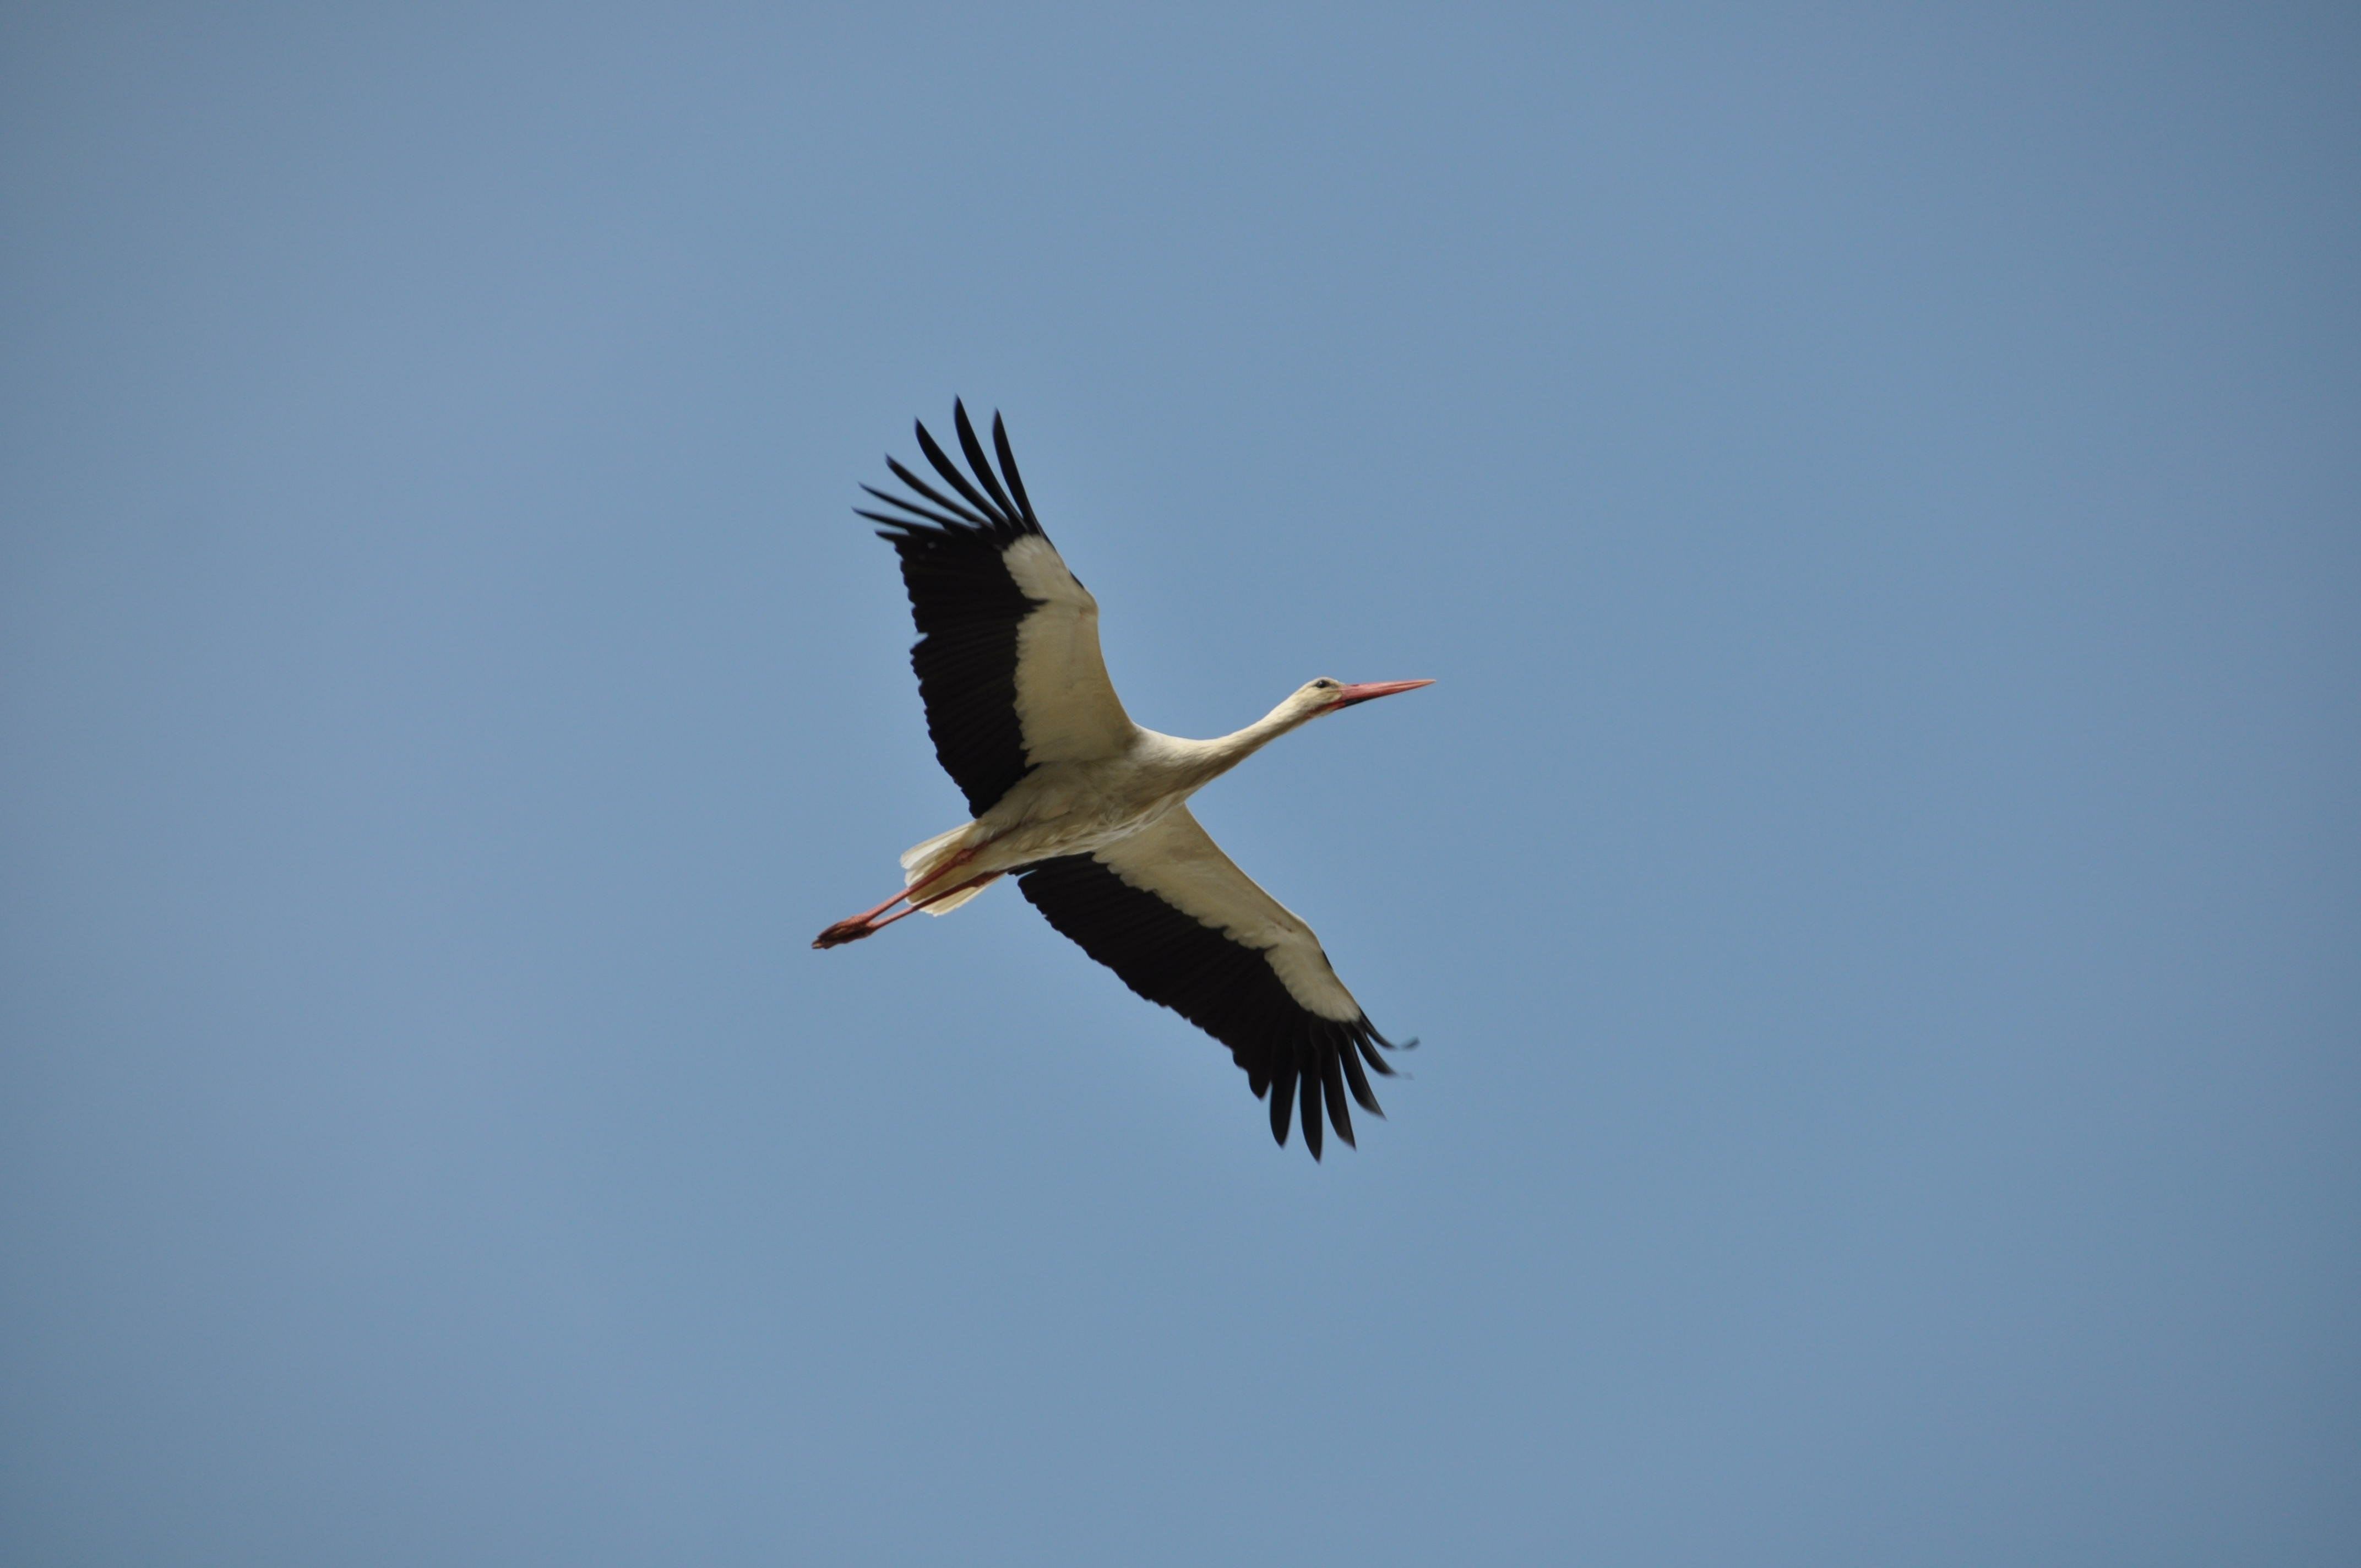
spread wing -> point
(1008, 655)
(1176, 918)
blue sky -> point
(1878, 877)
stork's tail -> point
(922, 862)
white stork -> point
(1088, 810)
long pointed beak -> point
(1347, 695)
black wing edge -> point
(991, 504)
(965, 604)
(1291, 1056)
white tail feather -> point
(919, 860)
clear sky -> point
(1878, 877)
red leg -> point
(854, 927)
(918, 904)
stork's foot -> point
(845, 931)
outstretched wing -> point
(1176, 918)
(1008, 655)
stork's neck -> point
(1212, 759)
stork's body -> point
(1089, 808)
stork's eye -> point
(1325, 685)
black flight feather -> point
(977, 461)
(1008, 468)
(958, 481)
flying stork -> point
(1088, 810)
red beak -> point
(1347, 695)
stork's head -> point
(1326, 695)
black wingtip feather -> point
(1358, 1081)
(959, 482)
(1332, 1085)
(977, 461)
(900, 472)
(1008, 469)
(923, 514)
